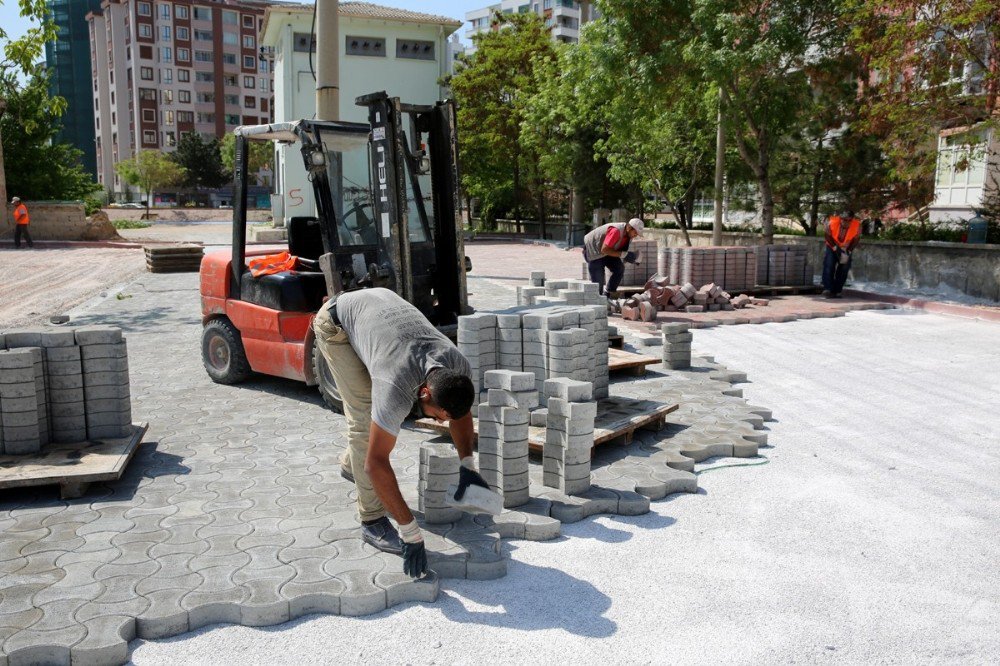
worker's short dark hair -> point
(451, 391)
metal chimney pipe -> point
(327, 60)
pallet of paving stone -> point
(183, 258)
(620, 360)
(72, 467)
(618, 418)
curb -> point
(984, 313)
(41, 245)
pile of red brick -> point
(661, 295)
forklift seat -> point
(305, 239)
(290, 291)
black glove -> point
(630, 258)
(468, 477)
(414, 559)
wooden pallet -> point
(616, 341)
(620, 360)
(73, 467)
(617, 420)
(174, 258)
(764, 290)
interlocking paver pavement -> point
(234, 509)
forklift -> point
(388, 215)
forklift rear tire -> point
(223, 354)
(326, 383)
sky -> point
(16, 26)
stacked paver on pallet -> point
(569, 435)
(62, 386)
(503, 434)
(174, 258)
(783, 265)
(732, 268)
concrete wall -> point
(971, 269)
(51, 221)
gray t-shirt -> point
(398, 346)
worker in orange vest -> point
(21, 220)
(843, 233)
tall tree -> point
(201, 161)
(149, 171)
(492, 88)
(37, 165)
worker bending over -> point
(843, 233)
(385, 358)
(606, 248)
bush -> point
(131, 224)
(91, 205)
(923, 232)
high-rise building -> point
(163, 69)
(71, 76)
(562, 17)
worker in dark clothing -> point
(21, 221)
(386, 358)
(606, 248)
(843, 233)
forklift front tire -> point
(223, 354)
(326, 383)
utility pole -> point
(327, 60)
(720, 170)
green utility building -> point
(68, 60)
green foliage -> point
(36, 166)
(22, 55)
(261, 155)
(923, 232)
(130, 224)
(149, 171)
(91, 205)
(201, 161)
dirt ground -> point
(39, 283)
(191, 215)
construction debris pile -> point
(660, 294)
(62, 386)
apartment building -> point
(563, 17)
(164, 68)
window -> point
(165, 32)
(166, 75)
(263, 66)
(229, 80)
(249, 102)
(230, 38)
(415, 49)
(263, 85)
(181, 11)
(147, 94)
(204, 77)
(204, 117)
(303, 42)
(149, 137)
(228, 17)
(112, 97)
(248, 82)
(146, 73)
(171, 138)
(167, 96)
(249, 62)
(203, 35)
(184, 96)
(228, 58)
(148, 116)
(183, 34)
(202, 14)
(183, 75)
(145, 30)
(145, 9)
(165, 11)
(231, 99)
(203, 56)
(146, 52)
(114, 121)
(185, 117)
(184, 55)
(168, 117)
(166, 54)
(365, 46)
(205, 98)
(263, 104)
(249, 42)
(232, 119)
(247, 21)
(547, 4)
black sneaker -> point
(347, 474)
(383, 536)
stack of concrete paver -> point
(569, 435)
(182, 258)
(676, 346)
(438, 471)
(732, 268)
(503, 434)
(783, 265)
(553, 292)
(635, 273)
(62, 386)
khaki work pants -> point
(355, 386)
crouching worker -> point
(385, 357)
(606, 248)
